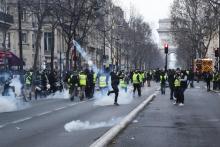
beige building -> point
(94, 42)
(29, 28)
(213, 46)
(6, 21)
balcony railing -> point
(7, 18)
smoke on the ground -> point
(85, 56)
(16, 83)
(123, 98)
(13, 101)
(79, 125)
(64, 94)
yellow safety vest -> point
(143, 76)
(69, 81)
(122, 83)
(102, 81)
(134, 78)
(177, 83)
(28, 79)
(94, 78)
(161, 77)
(82, 79)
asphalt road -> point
(42, 123)
(162, 124)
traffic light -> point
(166, 48)
(216, 53)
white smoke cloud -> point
(13, 102)
(16, 83)
(85, 56)
(7, 104)
(60, 95)
(79, 125)
(123, 98)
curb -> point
(114, 131)
(215, 91)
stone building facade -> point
(94, 41)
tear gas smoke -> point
(60, 95)
(123, 98)
(12, 102)
(79, 125)
(85, 56)
(16, 83)
(7, 104)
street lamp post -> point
(60, 65)
(166, 52)
(20, 33)
(219, 45)
(166, 64)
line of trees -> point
(78, 19)
(195, 24)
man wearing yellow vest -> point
(136, 80)
(177, 84)
(123, 82)
(82, 84)
(94, 83)
(102, 82)
(163, 79)
(27, 87)
(72, 82)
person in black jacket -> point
(114, 83)
(89, 85)
(52, 81)
(208, 78)
(171, 79)
(183, 87)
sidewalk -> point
(162, 124)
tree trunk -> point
(68, 56)
(4, 46)
(52, 50)
(37, 44)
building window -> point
(2, 5)
(33, 40)
(23, 15)
(9, 41)
(48, 41)
(24, 38)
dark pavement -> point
(42, 124)
(162, 124)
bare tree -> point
(194, 25)
(75, 17)
(40, 10)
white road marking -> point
(1, 126)
(21, 120)
(57, 109)
(72, 104)
(18, 128)
(44, 113)
(41, 114)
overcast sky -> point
(151, 10)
